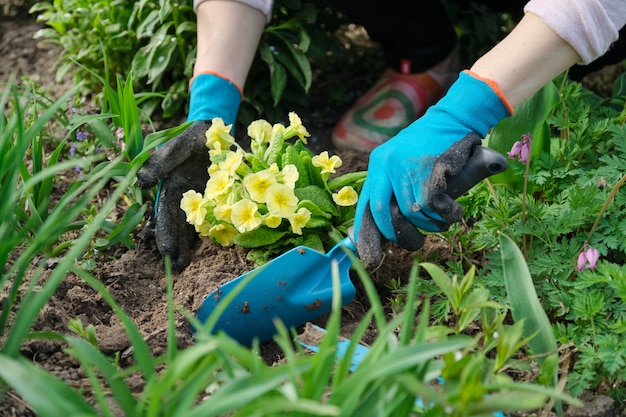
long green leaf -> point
(529, 117)
(45, 394)
(92, 358)
(525, 304)
(244, 390)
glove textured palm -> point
(406, 180)
(178, 166)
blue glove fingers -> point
(379, 194)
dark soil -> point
(136, 278)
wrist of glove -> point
(407, 175)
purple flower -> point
(521, 149)
(72, 149)
(587, 259)
(81, 136)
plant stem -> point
(524, 206)
(605, 206)
(492, 191)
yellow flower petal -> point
(213, 168)
(274, 168)
(272, 221)
(328, 164)
(257, 184)
(346, 197)
(223, 234)
(204, 229)
(223, 212)
(193, 204)
(299, 220)
(219, 183)
(232, 162)
(289, 175)
(218, 136)
(245, 215)
(296, 128)
(281, 200)
(260, 131)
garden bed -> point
(136, 278)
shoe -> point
(394, 102)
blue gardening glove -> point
(406, 179)
(181, 165)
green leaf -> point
(278, 75)
(510, 401)
(619, 86)
(353, 179)
(314, 209)
(130, 220)
(441, 279)
(91, 357)
(259, 237)
(318, 197)
(472, 305)
(529, 117)
(46, 395)
(292, 156)
(525, 304)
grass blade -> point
(47, 395)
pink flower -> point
(521, 149)
(588, 259)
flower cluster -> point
(521, 149)
(277, 188)
(587, 259)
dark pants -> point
(422, 32)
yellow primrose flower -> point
(245, 215)
(213, 168)
(274, 168)
(218, 136)
(296, 128)
(272, 221)
(327, 164)
(204, 229)
(223, 212)
(289, 175)
(216, 149)
(219, 183)
(299, 220)
(281, 200)
(192, 204)
(223, 234)
(257, 184)
(346, 197)
(232, 162)
(260, 131)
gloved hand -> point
(181, 165)
(406, 181)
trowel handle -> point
(482, 163)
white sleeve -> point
(264, 6)
(589, 26)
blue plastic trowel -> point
(296, 287)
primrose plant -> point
(279, 193)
